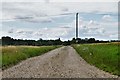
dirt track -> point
(63, 62)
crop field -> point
(12, 55)
(105, 56)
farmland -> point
(61, 62)
(12, 55)
(104, 56)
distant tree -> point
(7, 41)
(10, 41)
(73, 41)
(91, 40)
(67, 43)
(78, 40)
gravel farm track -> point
(63, 62)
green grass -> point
(11, 55)
(103, 56)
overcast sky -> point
(52, 20)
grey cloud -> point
(43, 9)
(24, 32)
(94, 30)
(65, 27)
(11, 31)
(23, 17)
(35, 19)
(65, 9)
(47, 1)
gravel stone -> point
(63, 62)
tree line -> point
(10, 41)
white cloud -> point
(53, 32)
(23, 32)
(34, 11)
(86, 29)
(45, 33)
(92, 23)
(46, 1)
(29, 11)
(47, 12)
(95, 7)
(98, 30)
(60, 0)
(107, 18)
(84, 0)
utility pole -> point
(76, 25)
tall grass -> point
(103, 56)
(11, 55)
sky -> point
(53, 20)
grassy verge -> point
(11, 55)
(103, 56)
